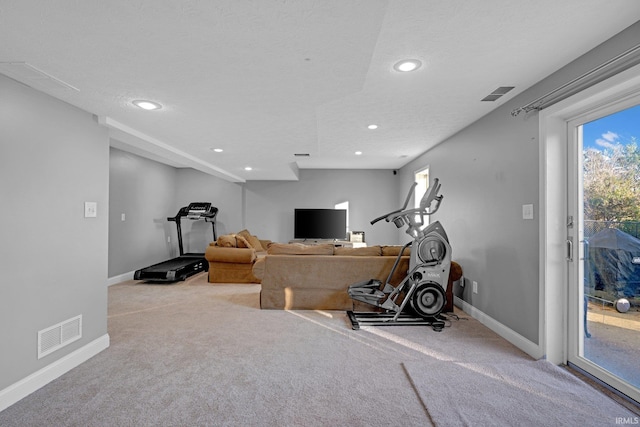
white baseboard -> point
(120, 278)
(532, 349)
(39, 379)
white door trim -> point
(553, 125)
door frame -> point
(554, 133)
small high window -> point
(422, 178)
(345, 206)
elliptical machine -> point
(421, 296)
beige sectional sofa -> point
(306, 277)
(232, 256)
(317, 277)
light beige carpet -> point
(534, 393)
(199, 354)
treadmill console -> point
(195, 210)
(198, 210)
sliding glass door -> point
(603, 244)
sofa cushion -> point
(299, 249)
(224, 272)
(252, 240)
(293, 282)
(367, 251)
(258, 268)
(226, 241)
(241, 242)
(232, 241)
(394, 251)
(265, 243)
(230, 255)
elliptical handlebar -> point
(406, 203)
(425, 203)
(426, 200)
(407, 217)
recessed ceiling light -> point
(358, 153)
(218, 150)
(248, 168)
(147, 105)
(372, 127)
(407, 65)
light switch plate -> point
(527, 211)
(90, 209)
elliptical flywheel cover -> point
(428, 300)
(432, 250)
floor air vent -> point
(58, 336)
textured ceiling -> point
(267, 79)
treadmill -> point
(188, 264)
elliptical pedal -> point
(366, 318)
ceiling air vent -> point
(497, 93)
(302, 155)
(33, 77)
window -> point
(345, 206)
(422, 178)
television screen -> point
(320, 224)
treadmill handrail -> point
(209, 216)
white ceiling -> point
(266, 79)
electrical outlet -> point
(122, 217)
(475, 287)
(90, 209)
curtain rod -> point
(609, 70)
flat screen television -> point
(320, 224)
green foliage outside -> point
(611, 183)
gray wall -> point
(370, 193)
(53, 158)
(147, 192)
(144, 191)
(195, 186)
(488, 171)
